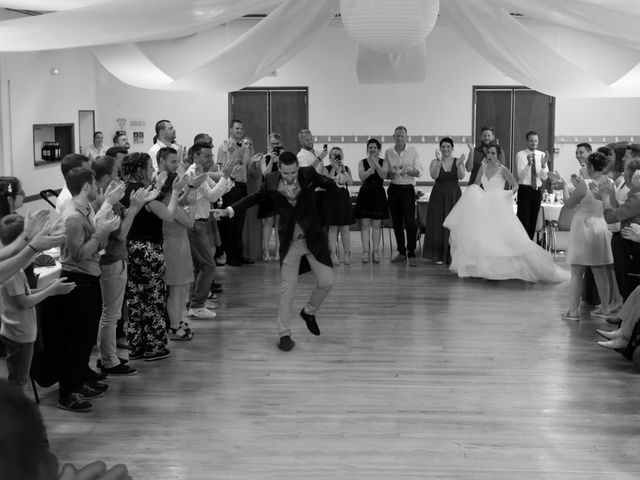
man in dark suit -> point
(303, 244)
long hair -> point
(9, 188)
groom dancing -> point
(303, 245)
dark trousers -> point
(79, 318)
(402, 206)
(529, 207)
(626, 259)
(231, 228)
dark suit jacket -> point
(305, 213)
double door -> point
(512, 112)
(265, 110)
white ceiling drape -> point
(579, 48)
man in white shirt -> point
(231, 228)
(531, 171)
(98, 148)
(404, 168)
(199, 241)
(166, 138)
(307, 156)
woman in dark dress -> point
(337, 212)
(371, 205)
(446, 170)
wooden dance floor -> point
(417, 374)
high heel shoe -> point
(347, 258)
(609, 335)
(376, 257)
(365, 257)
(334, 259)
(616, 343)
(266, 257)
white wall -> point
(338, 104)
(35, 96)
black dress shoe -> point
(234, 263)
(215, 284)
(246, 260)
(310, 320)
(286, 344)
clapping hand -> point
(161, 179)
(107, 222)
(220, 213)
(114, 192)
(227, 168)
(180, 183)
(35, 222)
(632, 232)
(49, 236)
(462, 158)
(471, 146)
(142, 196)
(60, 287)
(600, 189)
(198, 180)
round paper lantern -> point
(389, 26)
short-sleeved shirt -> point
(407, 158)
(18, 324)
(116, 248)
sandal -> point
(570, 316)
(183, 332)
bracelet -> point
(32, 248)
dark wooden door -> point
(534, 111)
(252, 108)
(288, 115)
(493, 109)
(266, 110)
(512, 112)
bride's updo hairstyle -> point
(597, 161)
(498, 148)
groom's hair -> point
(288, 158)
(586, 146)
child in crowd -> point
(19, 326)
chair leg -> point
(35, 390)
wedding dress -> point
(488, 241)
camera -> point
(278, 150)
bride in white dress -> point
(487, 239)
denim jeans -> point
(18, 361)
(113, 281)
(203, 262)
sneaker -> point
(212, 296)
(122, 343)
(399, 258)
(103, 387)
(99, 364)
(74, 403)
(286, 343)
(135, 356)
(152, 357)
(89, 393)
(121, 370)
(180, 333)
(413, 262)
(200, 313)
(209, 304)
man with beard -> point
(479, 153)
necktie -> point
(534, 177)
